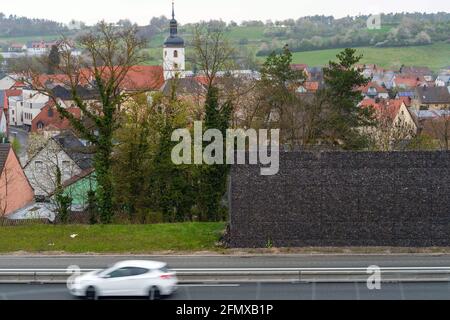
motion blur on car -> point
(150, 279)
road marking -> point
(313, 291)
(358, 296)
(209, 285)
(258, 291)
(402, 292)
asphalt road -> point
(259, 292)
(262, 261)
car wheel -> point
(154, 294)
(91, 293)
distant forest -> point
(326, 32)
(304, 34)
(14, 26)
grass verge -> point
(133, 239)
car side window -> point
(120, 273)
(127, 272)
(139, 271)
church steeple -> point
(173, 22)
(173, 10)
(174, 39)
(174, 51)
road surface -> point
(258, 261)
(259, 292)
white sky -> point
(140, 11)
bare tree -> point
(212, 52)
(110, 53)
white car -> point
(127, 279)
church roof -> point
(174, 40)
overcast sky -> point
(140, 11)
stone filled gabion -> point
(343, 199)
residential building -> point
(15, 189)
(7, 83)
(49, 118)
(374, 91)
(25, 107)
(64, 152)
(433, 98)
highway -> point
(259, 292)
(222, 261)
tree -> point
(109, 54)
(345, 117)
(279, 82)
(213, 53)
(135, 145)
(54, 59)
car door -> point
(117, 282)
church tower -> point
(174, 52)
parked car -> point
(127, 279)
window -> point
(175, 65)
(50, 113)
(165, 53)
(127, 272)
(175, 54)
(38, 165)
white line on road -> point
(209, 285)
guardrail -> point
(330, 275)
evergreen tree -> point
(54, 60)
(213, 178)
(344, 117)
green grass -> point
(433, 56)
(24, 40)
(134, 239)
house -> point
(64, 153)
(406, 82)
(434, 98)
(374, 91)
(7, 83)
(17, 47)
(395, 123)
(308, 86)
(50, 119)
(434, 124)
(301, 67)
(25, 107)
(417, 72)
(9, 104)
(443, 80)
(3, 122)
(78, 189)
(15, 189)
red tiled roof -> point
(56, 121)
(311, 86)
(300, 67)
(375, 85)
(385, 108)
(409, 82)
(137, 78)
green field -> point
(24, 40)
(434, 56)
(183, 237)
